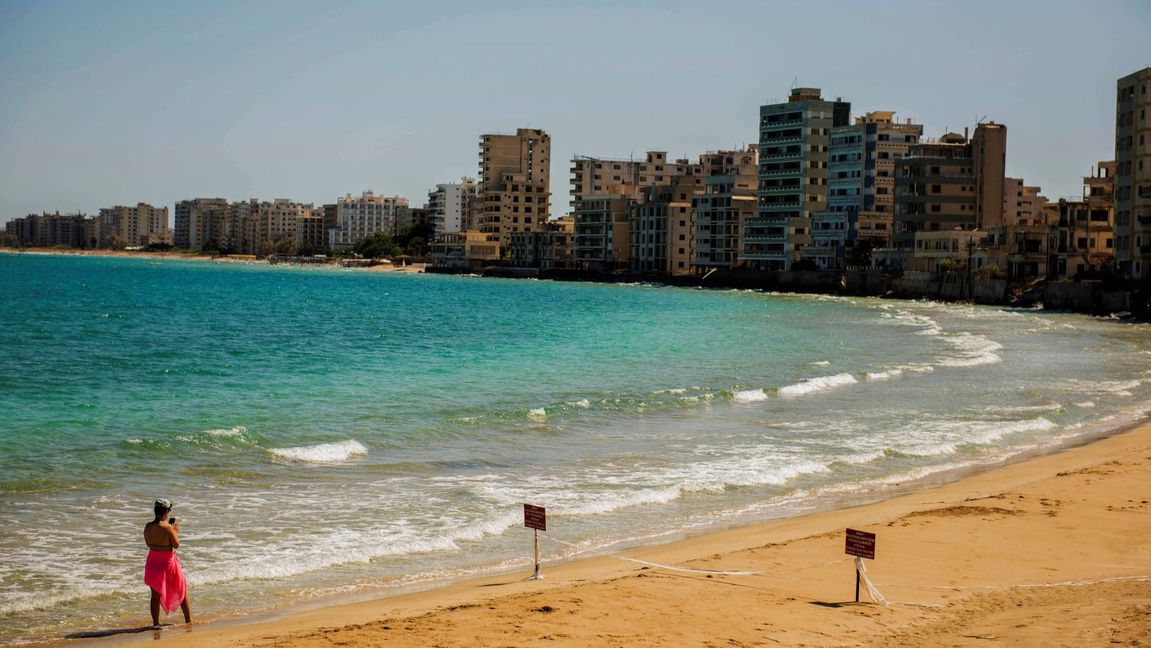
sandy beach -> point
(1051, 551)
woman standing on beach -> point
(162, 570)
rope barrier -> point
(711, 572)
(872, 589)
(716, 572)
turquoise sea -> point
(327, 433)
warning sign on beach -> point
(860, 543)
(535, 517)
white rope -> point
(717, 572)
(871, 589)
(714, 572)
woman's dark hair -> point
(161, 510)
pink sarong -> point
(162, 573)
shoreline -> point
(193, 256)
(947, 556)
(1084, 298)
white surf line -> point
(714, 572)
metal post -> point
(538, 575)
(857, 583)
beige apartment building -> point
(358, 217)
(1083, 230)
(933, 249)
(661, 232)
(311, 236)
(601, 239)
(1133, 175)
(278, 225)
(514, 189)
(49, 230)
(664, 231)
(949, 183)
(609, 176)
(721, 211)
(196, 222)
(547, 249)
(1019, 245)
(123, 226)
(469, 249)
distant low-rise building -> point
(959, 249)
(546, 250)
(468, 249)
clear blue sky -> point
(105, 103)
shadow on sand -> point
(96, 634)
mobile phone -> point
(171, 520)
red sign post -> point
(860, 544)
(536, 518)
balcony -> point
(778, 189)
(781, 205)
(781, 156)
(772, 125)
(780, 172)
(782, 139)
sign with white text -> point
(535, 517)
(860, 543)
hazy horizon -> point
(143, 102)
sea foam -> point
(813, 385)
(973, 351)
(321, 453)
(239, 430)
(749, 396)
